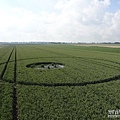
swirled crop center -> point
(46, 65)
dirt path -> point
(100, 45)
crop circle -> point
(46, 65)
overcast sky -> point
(60, 20)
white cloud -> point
(112, 27)
(74, 21)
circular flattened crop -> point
(46, 65)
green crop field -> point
(58, 82)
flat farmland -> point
(58, 82)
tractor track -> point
(15, 101)
(14, 82)
(6, 64)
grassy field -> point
(86, 88)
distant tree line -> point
(57, 43)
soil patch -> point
(46, 65)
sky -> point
(60, 21)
